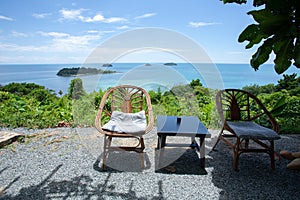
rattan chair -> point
(126, 99)
(247, 122)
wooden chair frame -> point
(127, 99)
(238, 105)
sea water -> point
(150, 76)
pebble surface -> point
(65, 163)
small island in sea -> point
(170, 64)
(107, 65)
(77, 71)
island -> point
(78, 71)
(107, 65)
(170, 64)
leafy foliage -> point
(290, 83)
(256, 89)
(277, 30)
(85, 109)
(32, 106)
(189, 99)
(76, 90)
(23, 89)
(283, 100)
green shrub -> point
(32, 106)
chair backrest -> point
(124, 98)
(240, 105)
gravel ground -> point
(65, 163)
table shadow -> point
(186, 163)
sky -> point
(55, 31)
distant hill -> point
(77, 71)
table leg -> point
(161, 142)
(194, 143)
(160, 146)
(202, 152)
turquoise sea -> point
(149, 76)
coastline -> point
(233, 75)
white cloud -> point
(41, 15)
(123, 27)
(100, 32)
(60, 43)
(77, 15)
(200, 24)
(71, 14)
(96, 18)
(5, 18)
(54, 34)
(71, 43)
(18, 48)
(92, 31)
(101, 18)
(18, 34)
(75, 41)
(145, 15)
(114, 20)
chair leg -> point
(236, 154)
(107, 143)
(246, 143)
(219, 137)
(272, 154)
(142, 153)
(104, 154)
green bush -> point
(31, 106)
(37, 108)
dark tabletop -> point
(181, 126)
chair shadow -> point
(79, 187)
(122, 161)
(188, 162)
(254, 179)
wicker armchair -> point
(242, 114)
(126, 99)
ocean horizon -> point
(150, 76)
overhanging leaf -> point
(262, 54)
(275, 23)
(284, 55)
(252, 34)
(282, 65)
(259, 2)
(297, 54)
(260, 15)
(235, 1)
(279, 19)
(270, 22)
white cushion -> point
(131, 123)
